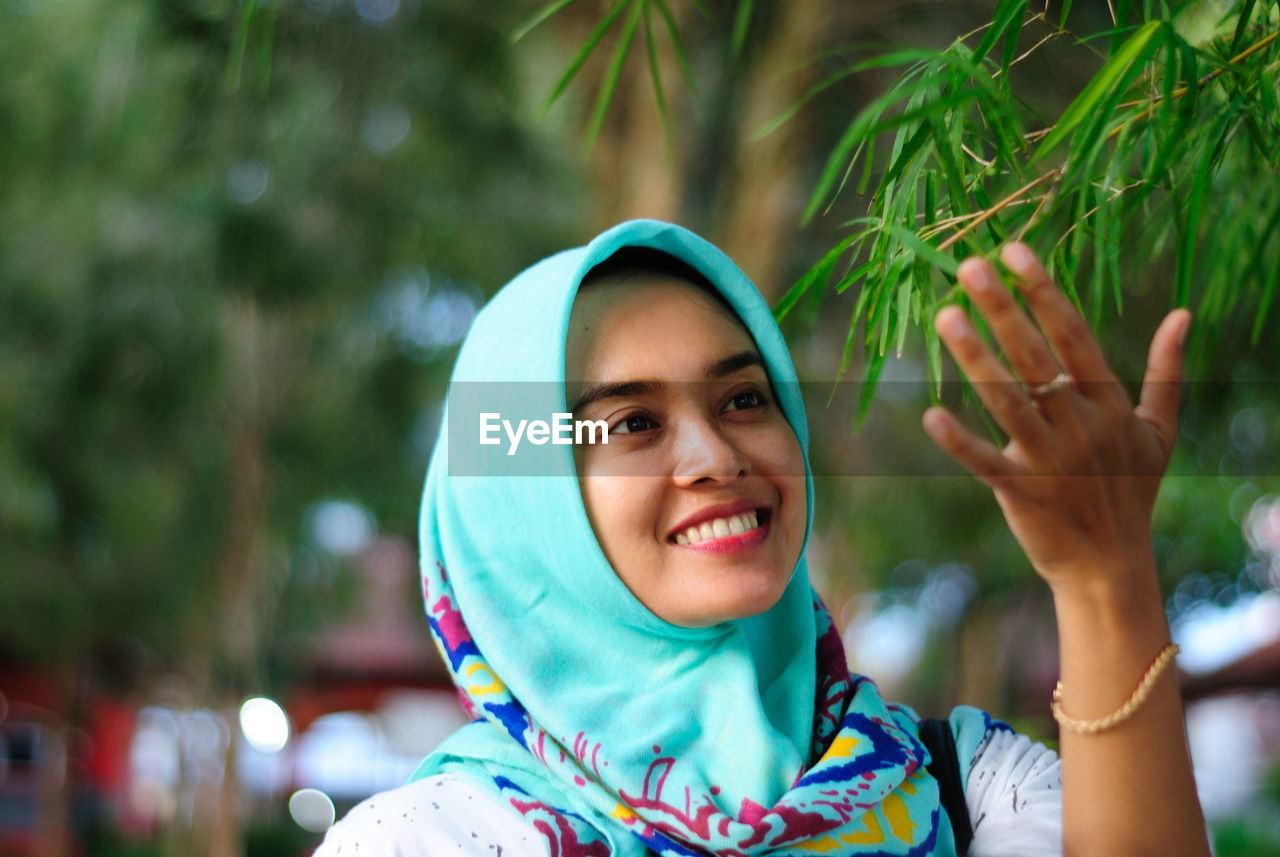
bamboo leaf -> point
(923, 249)
(865, 178)
(950, 163)
(1011, 39)
(870, 380)
(651, 50)
(239, 42)
(741, 23)
(1006, 12)
(1066, 10)
(584, 52)
(1242, 26)
(266, 44)
(933, 353)
(907, 152)
(865, 125)
(907, 302)
(1111, 76)
(1269, 283)
(682, 59)
(610, 84)
(538, 17)
(817, 274)
(851, 338)
(853, 276)
(1191, 228)
(794, 108)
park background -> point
(239, 243)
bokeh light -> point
(264, 724)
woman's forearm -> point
(1128, 790)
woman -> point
(632, 625)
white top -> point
(1014, 796)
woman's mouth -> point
(729, 534)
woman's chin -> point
(720, 605)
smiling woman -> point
(698, 450)
(634, 633)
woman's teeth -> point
(717, 528)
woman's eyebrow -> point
(628, 389)
(729, 365)
(619, 390)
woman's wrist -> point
(1124, 582)
(1112, 604)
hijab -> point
(610, 730)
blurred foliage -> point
(200, 281)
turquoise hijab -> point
(612, 731)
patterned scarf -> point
(611, 731)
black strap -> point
(945, 768)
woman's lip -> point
(735, 543)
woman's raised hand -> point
(1078, 478)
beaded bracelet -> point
(1121, 714)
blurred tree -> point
(222, 301)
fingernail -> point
(953, 324)
(1019, 256)
(1186, 328)
(976, 274)
(935, 422)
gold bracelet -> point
(1121, 714)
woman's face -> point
(698, 499)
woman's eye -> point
(745, 399)
(632, 424)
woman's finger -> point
(1161, 385)
(1002, 395)
(979, 457)
(1019, 339)
(1072, 341)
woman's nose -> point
(704, 451)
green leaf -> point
(266, 44)
(1269, 287)
(906, 300)
(1191, 227)
(865, 125)
(1242, 26)
(1011, 38)
(610, 84)
(867, 162)
(1066, 10)
(1008, 13)
(906, 153)
(794, 108)
(741, 23)
(870, 380)
(651, 50)
(853, 276)
(682, 58)
(923, 249)
(585, 51)
(950, 163)
(1111, 76)
(538, 17)
(817, 274)
(239, 42)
